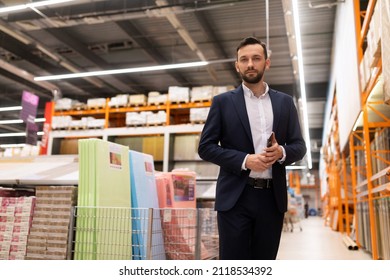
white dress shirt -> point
(261, 119)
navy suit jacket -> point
(226, 139)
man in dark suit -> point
(251, 195)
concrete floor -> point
(316, 242)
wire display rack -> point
(117, 233)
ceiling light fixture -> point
(296, 167)
(17, 134)
(12, 108)
(302, 81)
(5, 146)
(131, 70)
(31, 5)
(20, 121)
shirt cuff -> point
(243, 163)
(284, 156)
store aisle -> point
(316, 242)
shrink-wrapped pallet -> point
(61, 122)
(78, 124)
(178, 94)
(199, 115)
(221, 89)
(91, 122)
(121, 100)
(137, 118)
(64, 104)
(374, 37)
(385, 29)
(137, 100)
(96, 103)
(155, 98)
(202, 93)
(158, 118)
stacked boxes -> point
(61, 122)
(373, 51)
(203, 93)
(199, 115)
(159, 118)
(67, 122)
(121, 100)
(48, 239)
(96, 103)
(221, 89)
(155, 98)
(64, 104)
(146, 118)
(137, 100)
(385, 29)
(136, 118)
(15, 222)
(178, 94)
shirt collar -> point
(249, 93)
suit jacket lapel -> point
(275, 108)
(238, 100)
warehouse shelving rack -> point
(356, 180)
(177, 122)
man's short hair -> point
(252, 41)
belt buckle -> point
(256, 182)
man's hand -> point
(263, 161)
(258, 162)
(274, 152)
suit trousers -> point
(251, 230)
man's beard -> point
(252, 79)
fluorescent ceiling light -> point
(4, 146)
(121, 71)
(31, 5)
(12, 108)
(17, 134)
(302, 81)
(20, 121)
(296, 167)
(131, 70)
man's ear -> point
(267, 63)
(236, 66)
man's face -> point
(251, 63)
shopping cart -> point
(114, 233)
(292, 216)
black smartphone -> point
(269, 141)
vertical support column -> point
(366, 132)
(354, 184)
(291, 179)
(107, 114)
(150, 235)
(337, 184)
(198, 239)
(346, 198)
(166, 151)
(297, 183)
(168, 111)
(46, 139)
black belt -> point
(259, 183)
